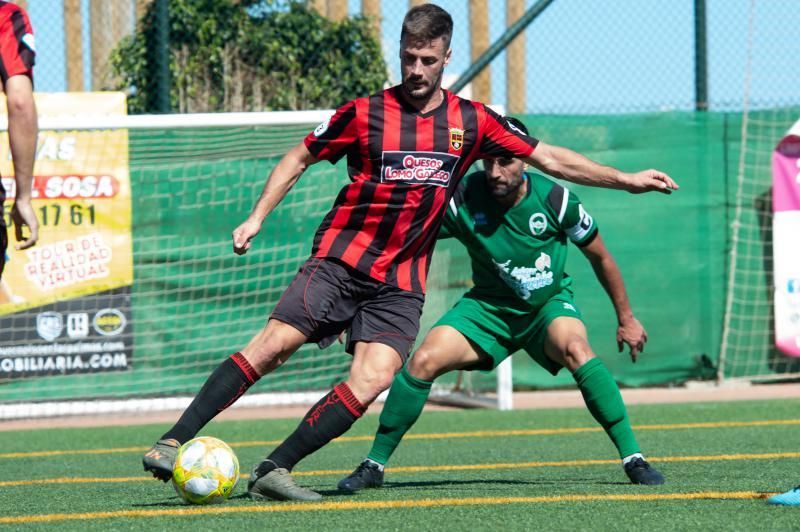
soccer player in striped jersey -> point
(515, 227)
(407, 148)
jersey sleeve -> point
(573, 219)
(334, 137)
(449, 227)
(502, 139)
(17, 45)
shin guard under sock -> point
(331, 417)
(224, 386)
(602, 397)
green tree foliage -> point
(251, 55)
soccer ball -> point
(206, 471)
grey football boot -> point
(269, 482)
(160, 459)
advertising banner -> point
(786, 241)
(65, 303)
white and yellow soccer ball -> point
(206, 471)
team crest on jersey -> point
(537, 223)
(456, 138)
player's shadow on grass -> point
(171, 501)
(177, 501)
(500, 483)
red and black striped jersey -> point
(404, 166)
(17, 48)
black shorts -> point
(327, 297)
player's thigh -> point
(566, 342)
(536, 338)
(444, 349)
(481, 336)
(388, 316)
(317, 301)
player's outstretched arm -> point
(572, 166)
(22, 132)
(629, 330)
(281, 180)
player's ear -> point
(447, 56)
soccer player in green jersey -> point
(515, 227)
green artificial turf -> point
(729, 459)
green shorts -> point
(499, 333)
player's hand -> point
(244, 234)
(22, 214)
(632, 333)
(650, 181)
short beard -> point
(509, 191)
(435, 85)
(419, 95)
(496, 192)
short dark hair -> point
(517, 124)
(427, 22)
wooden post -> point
(515, 61)
(479, 42)
(320, 6)
(141, 8)
(372, 10)
(73, 44)
(98, 24)
(414, 3)
(110, 21)
(337, 10)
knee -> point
(577, 353)
(424, 365)
(368, 385)
(267, 352)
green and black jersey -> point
(517, 254)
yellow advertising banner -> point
(73, 286)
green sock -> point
(602, 397)
(403, 406)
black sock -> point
(224, 386)
(328, 419)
